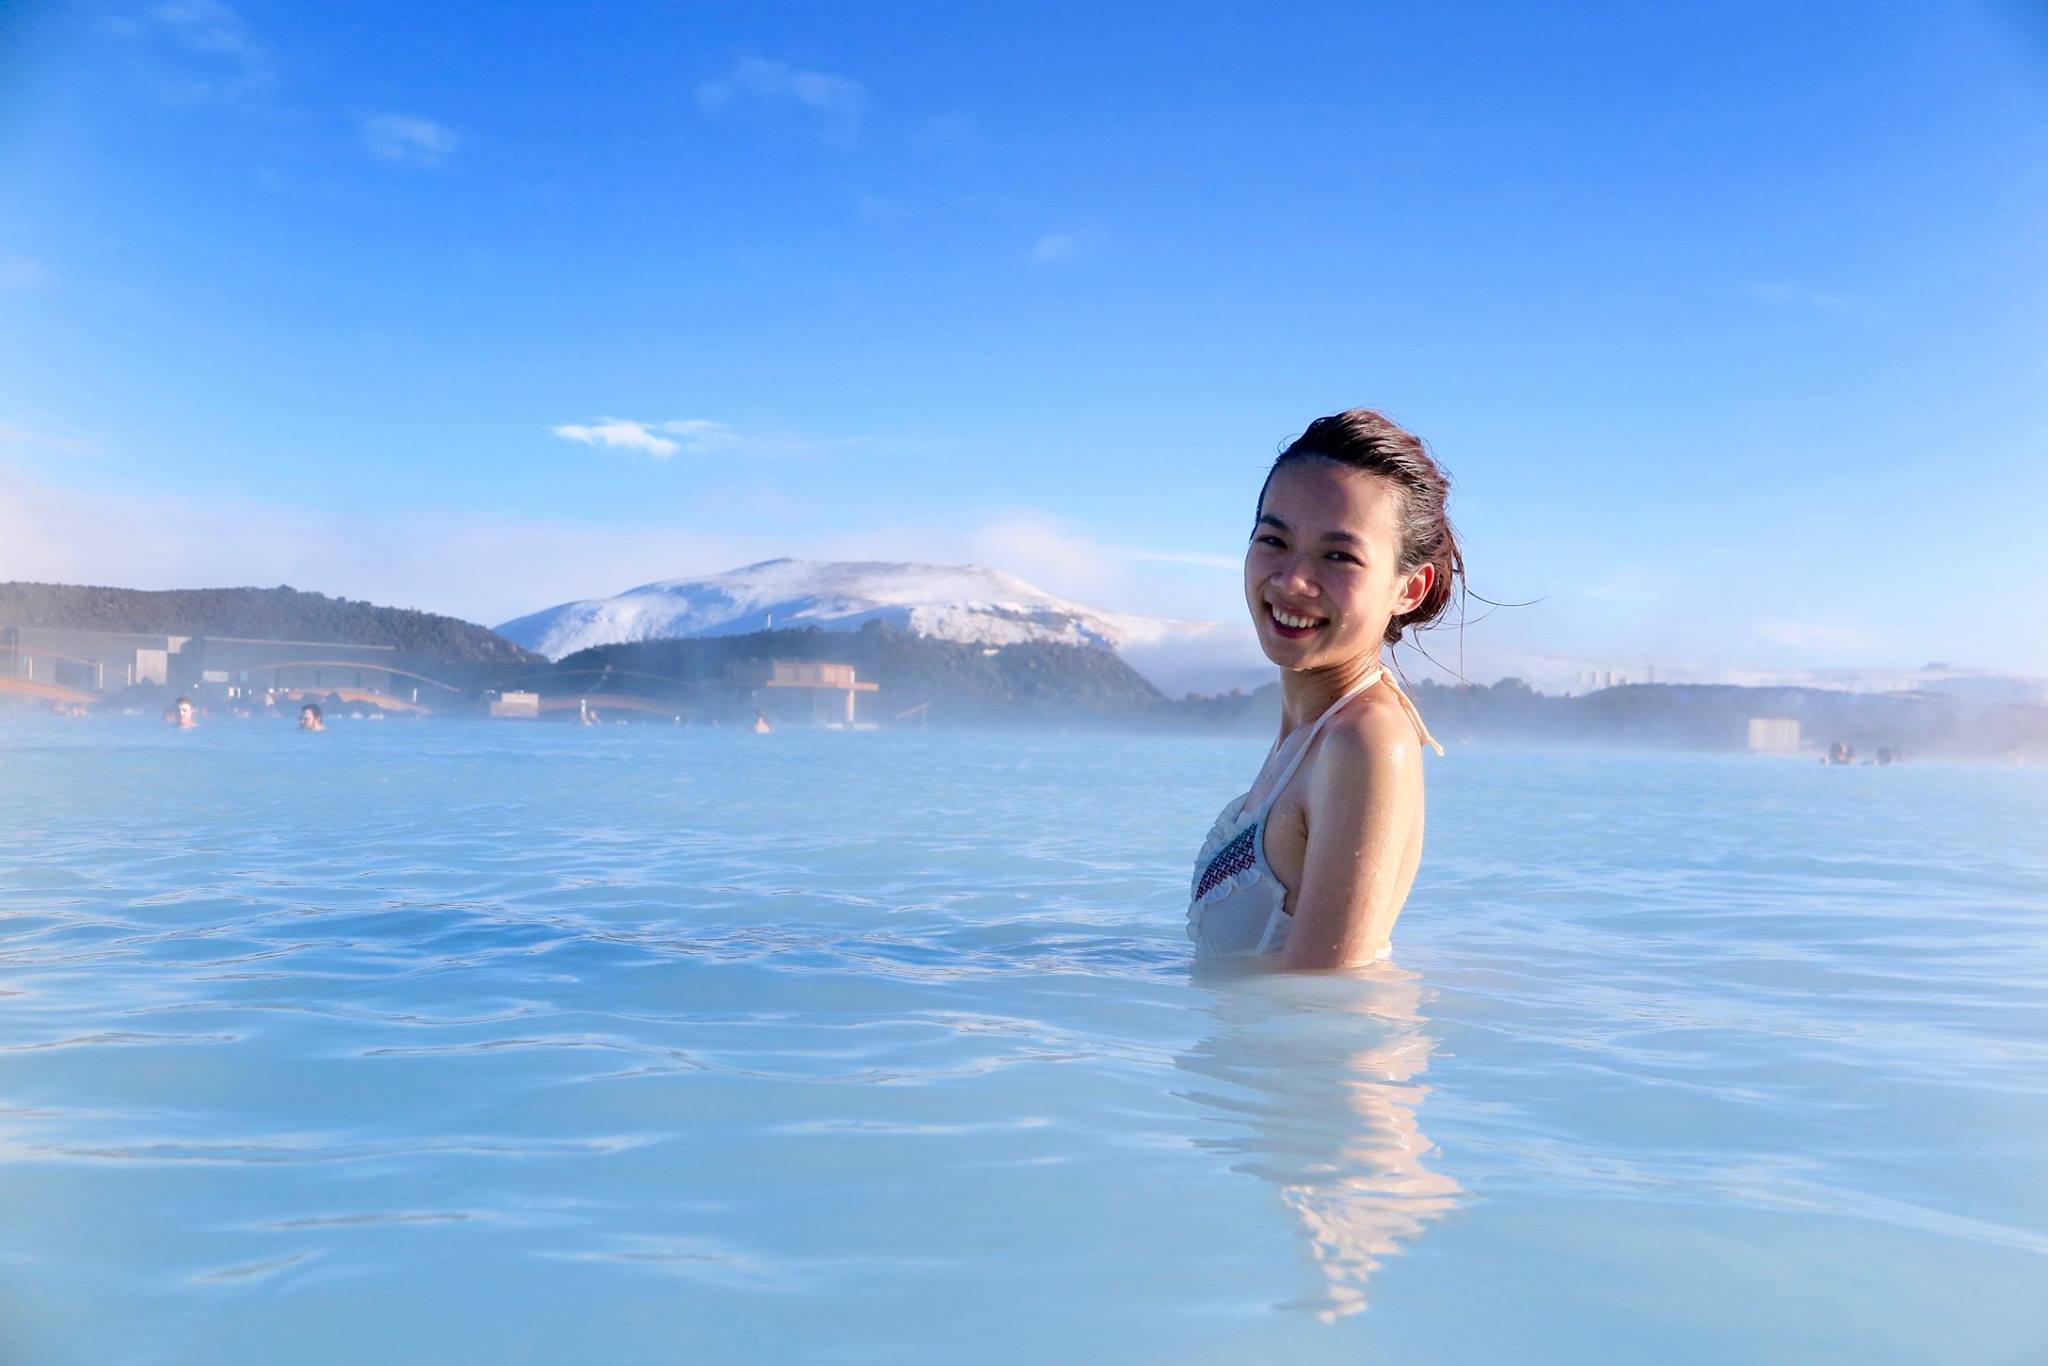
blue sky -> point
(1730, 321)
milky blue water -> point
(502, 1042)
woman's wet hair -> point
(1371, 442)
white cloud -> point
(1053, 247)
(839, 99)
(407, 140)
(695, 436)
(619, 434)
(699, 436)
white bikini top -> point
(1236, 904)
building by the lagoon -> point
(520, 705)
(801, 691)
(87, 661)
(69, 666)
(105, 662)
(789, 692)
(1773, 735)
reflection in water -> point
(1331, 1067)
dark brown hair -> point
(1369, 441)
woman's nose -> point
(1293, 576)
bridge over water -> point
(605, 688)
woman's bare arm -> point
(1364, 798)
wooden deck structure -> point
(48, 692)
(819, 679)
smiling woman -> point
(1351, 549)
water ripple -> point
(837, 1036)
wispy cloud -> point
(700, 436)
(1784, 295)
(946, 135)
(22, 273)
(482, 566)
(660, 440)
(875, 208)
(838, 100)
(408, 140)
(1628, 585)
(1031, 542)
(24, 439)
(1196, 558)
(209, 26)
(1039, 548)
(222, 61)
(1819, 636)
(1052, 248)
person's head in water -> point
(311, 717)
(181, 714)
(1352, 545)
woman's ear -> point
(1415, 589)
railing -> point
(359, 664)
(49, 692)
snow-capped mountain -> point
(949, 602)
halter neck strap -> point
(1372, 676)
(1377, 674)
(1408, 705)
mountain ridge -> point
(969, 604)
(282, 613)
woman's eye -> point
(1340, 555)
(1268, 539)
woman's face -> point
(1322, 575)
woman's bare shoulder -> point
(1372, 738)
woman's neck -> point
(1306, 694)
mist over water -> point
(515, 1042)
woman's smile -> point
(1293, 625)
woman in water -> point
(1350, 549)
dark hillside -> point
(960, 680)
(1681, 716)
(255, 613)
